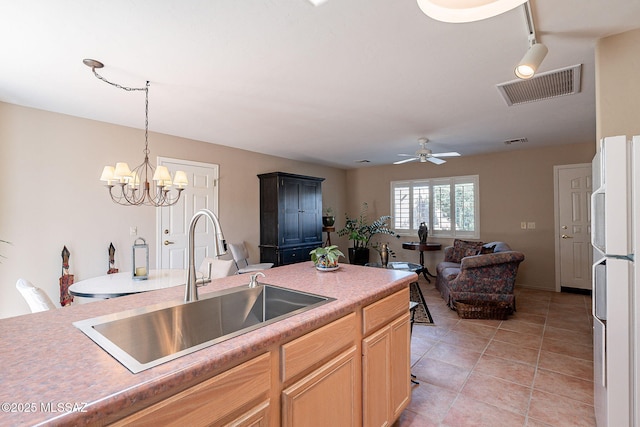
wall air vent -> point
(564, 81)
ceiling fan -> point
(425, 155)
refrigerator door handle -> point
(600, 347)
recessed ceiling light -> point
(457, 11)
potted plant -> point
(328, 218)
(326, 258)
(360, 232)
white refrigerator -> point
(615, 234)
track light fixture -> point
(531, 60)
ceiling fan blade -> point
(449, 154)
(399, 162)
(436, 160)
(406, 155)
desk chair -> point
(37, 299)
(241, 257)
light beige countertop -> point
(52, 374)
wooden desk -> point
(422, 247)
(119, 284)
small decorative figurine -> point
(112, 259)
(66, 279)
(423, 232)
(384, 254)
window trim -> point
(431, 182)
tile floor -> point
(534, 369)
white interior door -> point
(573, 185)
(173, 221)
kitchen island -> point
(350, 355)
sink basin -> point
(145, 337)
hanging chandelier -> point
(145, 184)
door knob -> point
(564, 236)
(166, 242)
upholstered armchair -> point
(488, 276)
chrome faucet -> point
(191, 290)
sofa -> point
(478, 272)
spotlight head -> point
(529, 64)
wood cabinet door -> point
(400, 364)
(290, 198)
(326, 397)
(310, 211)
(376, 382)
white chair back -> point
(219, 268)
(241, 257)
(37, 299)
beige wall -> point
(52, 197)
(515, 186)
(49, 164)
(618, 85)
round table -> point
(422, 247)
(120, 284)
(416, 268)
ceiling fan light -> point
(458, 11)
(529, 64)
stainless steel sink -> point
(146, 337)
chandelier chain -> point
(146, 105)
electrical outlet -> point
(531, 225)
(133, 231)
(523, 225)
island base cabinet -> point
(237, 391)
(325, 397)
(257, 417)
(386, 373)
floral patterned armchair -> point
(476, 271)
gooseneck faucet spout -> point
(191, 290)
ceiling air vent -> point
(565, 81)
(516, 141)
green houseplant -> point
(360, 231)
(326, 258)
(328, 218)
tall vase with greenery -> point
(360, 231)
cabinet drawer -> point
(316, 346)
(212, 399)
(292, 255)
(382, 312)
